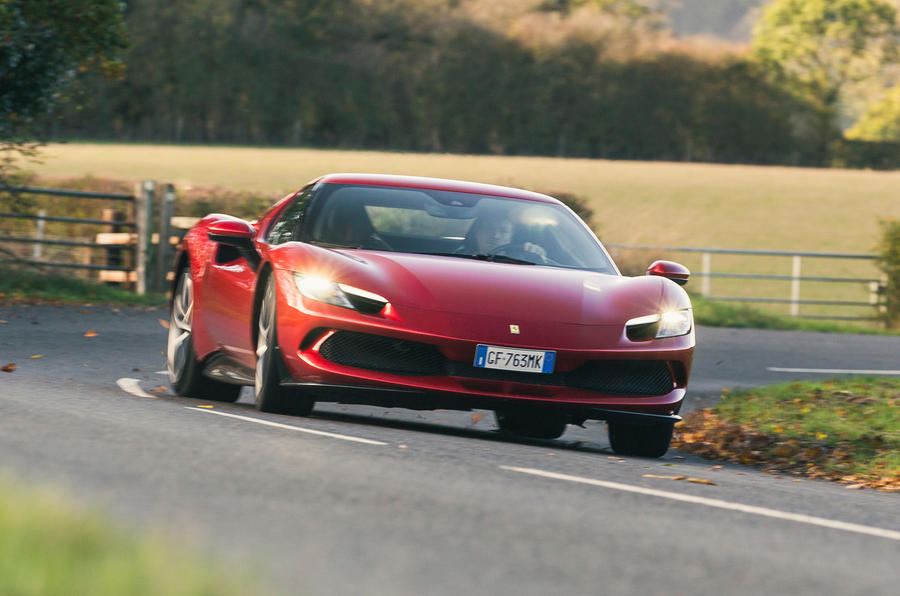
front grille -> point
(623, 377)
(375, 352)
(398, 356)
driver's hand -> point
(535, 248)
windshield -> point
(453, 224)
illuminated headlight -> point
(324, 290)
(667, 324)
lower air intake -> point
(385, 354)
(623, 377)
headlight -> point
(324, 290)
(671, 323)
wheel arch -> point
(265, 271)
(182, 260)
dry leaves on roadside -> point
(163, 322)
(91, 333)
(9, 367)
(705, 434)
(664, 477)
(701, 481)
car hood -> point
(486, 289)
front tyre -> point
(270, 395)
(185, 372)
(644, 441)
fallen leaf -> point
(159, 389)
(91, 333)
(664, 477)
(9, 367)
(701, 481)
(36, 356)
(205, 406)
(476, 417)
(716, 467)
(163, 322)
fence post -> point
(795, 285)
(37, 249)
(143, 215)
(163, 251)
(113, 253)
(706, 267)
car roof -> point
(435, 184)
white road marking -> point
(131, 386)
(291, 427)
(834, 371)
(763, 511)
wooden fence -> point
(123, 245)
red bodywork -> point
(453, 304)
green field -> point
(670, 204)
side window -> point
(283, 230)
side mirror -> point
(670, 270)
(235, 232)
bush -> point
(889, 262)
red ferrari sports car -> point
(426, 293)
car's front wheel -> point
(536, 423)
(270, 395)
(645, 441)
(185, 371)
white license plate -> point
(536, 361)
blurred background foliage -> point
(619, 79)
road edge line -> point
(132, 387)
(718, 503)
(291, 427)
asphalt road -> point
(377, 501)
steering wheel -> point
(517, 250)
(376, 242)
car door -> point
(228, 303)
(232, 280)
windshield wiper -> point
(481, 257)
(333, 244)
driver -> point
(492, 231)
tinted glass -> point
(288, 225)
(454, 224)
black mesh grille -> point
(623, 377)
(375, 352)
(611, 377)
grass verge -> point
(19, 284)
(723, 314)
(847, 430)
(48, 547)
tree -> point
(43, 45)
(881, 122)
(820, 48)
